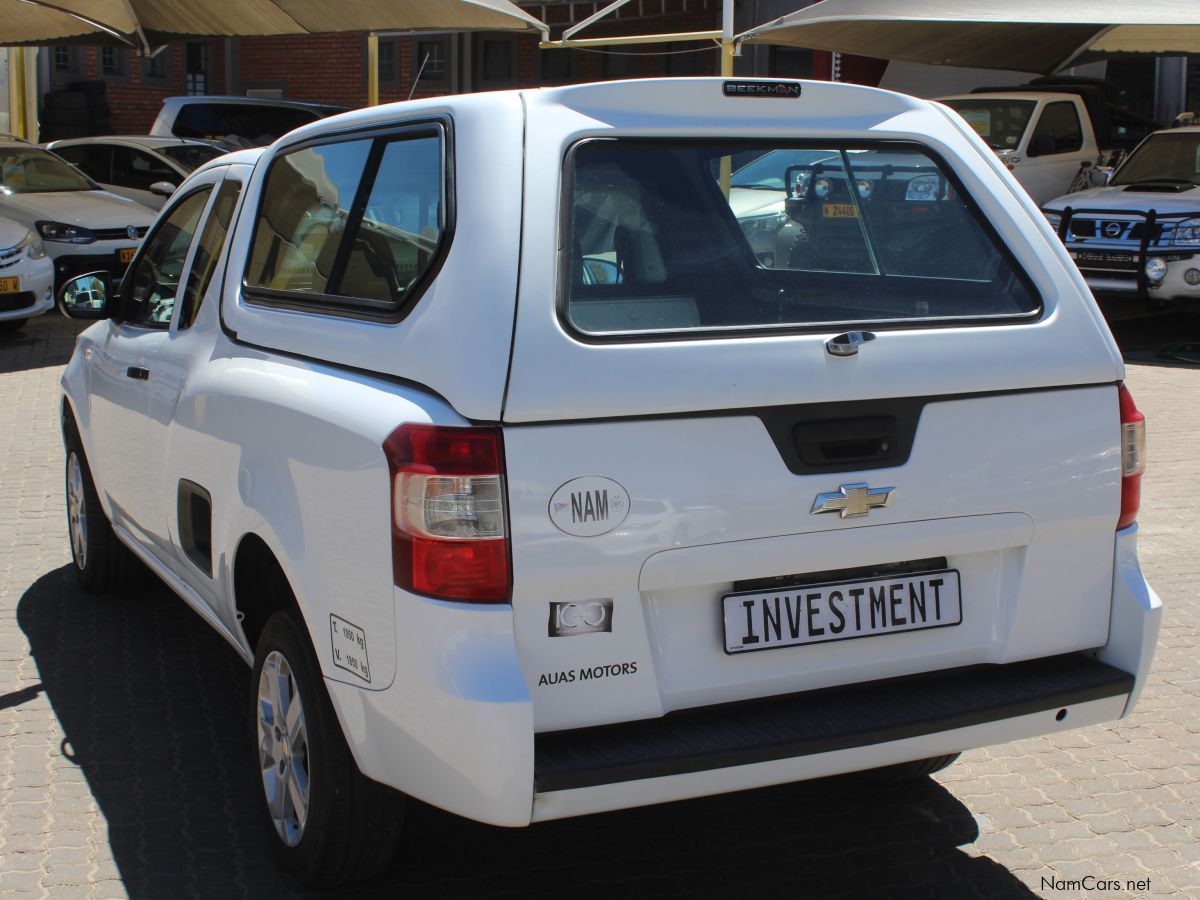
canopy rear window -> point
(704, 237)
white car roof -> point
(150, 141)
(171, 102)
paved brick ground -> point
(123, 749)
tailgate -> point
(703, 496)
(630, 624)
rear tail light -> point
(1133, 457)
(449, 536)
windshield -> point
(999, 122)
(192, 156)
(27, 170)
(240, 124)
(1163, 157)
(861, 235)
(766, 172)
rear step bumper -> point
(818, 722)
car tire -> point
(12, 325)
(93, 87)
(904, 773)
(59, 118)
(345, 827)
(102, 563)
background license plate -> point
(839, 211)
(127, 254)
(838, 611)
(10, 285)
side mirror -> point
(597, 270)
(1040, 145)
(86, 296)
(162, 188)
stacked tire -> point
(64, 115)
(79, 111)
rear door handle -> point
(138, 372)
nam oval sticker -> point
(589, 506)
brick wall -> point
(133, 98)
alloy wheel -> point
(283, 748)
(77, 509)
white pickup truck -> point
(530, 488)
(1054, 142)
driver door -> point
(123, 373)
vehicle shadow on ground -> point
(1164, 339)
(153, 707)
(46, 340)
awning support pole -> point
(372, 69)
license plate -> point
(126, 255)
(1110, 259)
(839, 211)
(10, 285)
(840, 610)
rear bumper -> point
(819, 722)
(645, 792)
(455, 728)
(1135, 619)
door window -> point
(138, 170)
(208, 251)
(148, 294)
(1058, 130)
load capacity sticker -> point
(349, 647)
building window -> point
(112, 62)
(498, 60)
(556, 66)
(156, 66)
(686, 58)
(791, 62)
(431, 60)
(196, 81)
(66, 61)
(387, 62)
(618, 64)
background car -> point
(1138, 237)
(242, 121)
(26, 275)
(84, 227)
(143, 168)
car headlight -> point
(1156, 269)
(1055, 219)
(822, 188)
(34, 248)
(762, 226)
(923, 188)
(63, 233)
(864, 187)
(1187, 232)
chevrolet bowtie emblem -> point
(853, 500)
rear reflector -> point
(1133, 457)
(449, 537)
